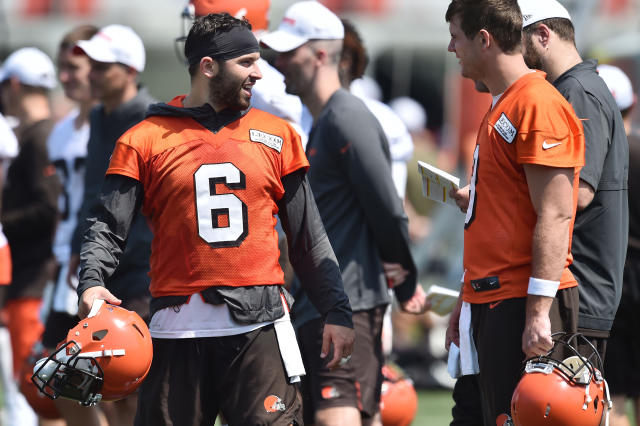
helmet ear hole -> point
(99, 335)
(595, 404)
(547, 411)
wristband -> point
(540, 287)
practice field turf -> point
(434, 408)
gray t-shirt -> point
(601, 229)
(350, 176)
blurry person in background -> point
(622, 365)
(353, 63)
(9, 405)
(350, 175)
(29, 197)
(67, 146)
(601, 229)
(117, 58)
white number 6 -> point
(211, 205)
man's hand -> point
(92, 293)
(418, 304)
(72, 273)
(453, 330)
(536, 339)
(395, 273)
(342, 339)
(461, 197)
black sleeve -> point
(365, 159)
(310, 252)
(108, 226)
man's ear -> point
(543, 34)
(209, 67)
(485, 38)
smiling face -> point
(231, 87)
(73, 72)
(465, 49)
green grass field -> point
(434, 408)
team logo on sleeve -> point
(505, 128)
(272, 141)
(273, 404)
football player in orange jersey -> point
(517, 288)
(210, 174)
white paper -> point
(442, 299)
(437, 183)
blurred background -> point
(407, 43)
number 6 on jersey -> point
(212, 206)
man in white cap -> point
(601, 230)
(622, 368)
(117, 58)
(350, 175)
(29, 197)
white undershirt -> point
(197, 319)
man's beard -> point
(224, 90)
(531, 56)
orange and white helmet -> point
(398, 399)
(255, 11)
(105, 357)
(562, 393)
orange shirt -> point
(210, 197)
(530, 124)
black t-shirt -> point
(634, 191)
(601, 229)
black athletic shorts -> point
(242, 377)
(497, 332)
(622, 366)
(56, 329)
(359, 382)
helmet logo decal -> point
(274, 404)
(329, 392)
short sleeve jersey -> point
(530, 124)
(210, 198)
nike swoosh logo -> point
(494, 304)
(546, 145)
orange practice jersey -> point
(210, 198)
(530, 124)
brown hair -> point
(83, 32)
(562, 27)
(500, 18)
(353, 48)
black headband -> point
(225, 45)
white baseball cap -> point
(619, 85)
(304, 21)
(115, 43)
(31, 67)
(538, 10)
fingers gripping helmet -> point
(398, 399)
(43, 406)
(562, 393)
(105, 357)
(256, 12)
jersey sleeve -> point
(126, 160)
(292, 156)
(550, 134)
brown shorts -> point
(191, 381)
(356, 384)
